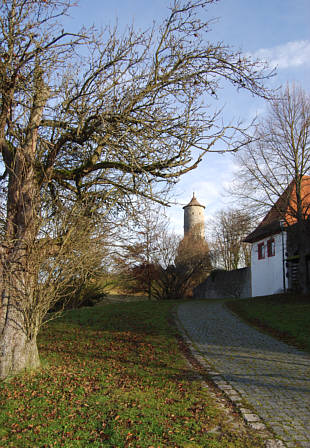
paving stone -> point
(245, 411)
(257, 425)
(251, 418)
(274, 444)
(233, 396)
(272, 377)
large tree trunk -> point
(18, 351)
(19, 323)
(19, 317)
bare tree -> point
(274, 169)
(139, 249)
(75, 260)
(184, 264)
(67, 254)
(228, 229)
(160, 263)
(129, 120)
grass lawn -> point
(113, 376)
(284, 316)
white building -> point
(268, 267)
(275, 254)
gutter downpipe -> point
(282, 227)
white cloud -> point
(291, 54)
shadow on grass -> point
(284, 316)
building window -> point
(261, 251)
(270, 247)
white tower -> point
(194, 220)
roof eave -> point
(263, 231)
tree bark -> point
(18, 351)
(19, 325)
(19, 321)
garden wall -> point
(225, 284)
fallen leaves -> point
(105, 386)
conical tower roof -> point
(194, 202)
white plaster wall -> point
(194, 220)
(267, 273)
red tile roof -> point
(283, 210)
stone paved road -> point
(274, 378)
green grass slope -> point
(284, 316)
(113, 376)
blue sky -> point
(275, 30)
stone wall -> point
(225, 284)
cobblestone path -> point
(272, 377)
